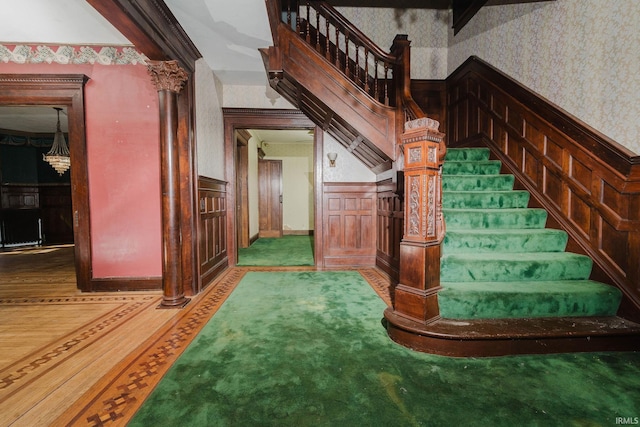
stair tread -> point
(513, 240)
(531, 287)
(510, 256)
(530, 328)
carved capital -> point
(167, 75)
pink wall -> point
(122, 131)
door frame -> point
(67, 90)
(258, 118)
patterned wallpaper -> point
(65, 54)
(428, 42)
(209, 122)
(582, 55)
(347, 169)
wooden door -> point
(242, 189)
(270, 198)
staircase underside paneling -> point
(363, 126)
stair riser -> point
(509, 306)
(485, 200)
(457, 268)
(460, 242)
(497, 218)
(467, 154)
(487, 167)
(477, 183)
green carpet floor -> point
(283, 251)
(499, 260)
(309, 349)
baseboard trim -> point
(297, 232)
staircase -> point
(499, 261)
(506, 284)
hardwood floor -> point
(90, 359)
(56, 342)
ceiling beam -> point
(151, 27)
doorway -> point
(244, 203)
(63, 91)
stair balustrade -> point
(362, 96)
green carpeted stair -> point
(499, 260)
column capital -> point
(167, 75)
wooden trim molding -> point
(152, 28)
(236, 119)
(589, 184)
(68, 90)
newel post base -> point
(416, 295)
(168, 79)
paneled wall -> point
(35, 214)
(589, 184)
(390, 223)
(212, 229)
(349, 224)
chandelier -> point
(58, 157)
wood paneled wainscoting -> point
(589, 184)
(349, 224)
(212, 230)
(390, 226)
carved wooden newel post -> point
(168, 78)
(416, 295)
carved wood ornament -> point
(167, 75)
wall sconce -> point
(332, 159)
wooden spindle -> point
(346, 54)
(376, 94)
(337, 48)
(366, 70)
(308, 24)
(317, 30)
(356, 73)
(386, 83)
(327, 53)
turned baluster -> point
(376, 92)
(327, 53)
(337, 48)
(346, 54)
(308, 25)
(317, 31)
(386, 83)
(366, 70)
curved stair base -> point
(500, 337)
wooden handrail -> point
(383, 76)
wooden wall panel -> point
(349, 214)
(589, 184)
(390, 227)
(212, 230)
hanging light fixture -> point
(58, 157)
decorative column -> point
(168, 79)
(416, 295)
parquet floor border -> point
(31, 367)
(115, 398)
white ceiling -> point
(228, 34)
